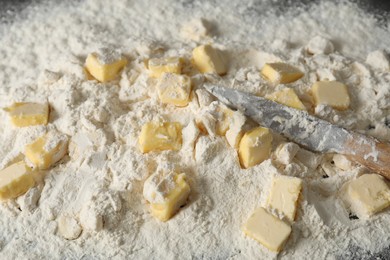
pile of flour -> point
(96, 191)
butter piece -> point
(235, 132)
(267, 229)
(105, 64)
(69, 228)
(286, 152)
(174, 89)
(214, 119)
(319, 45)
(281, 73)
(255, 147)
(209, 60)
(160, 136)
(166, 193)
(287, 97)
(158, 66)
(15, 180)
(284, 195)
(368, 195)
(47, 150)
(331, 93)
(24, 114)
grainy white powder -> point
(94, 197)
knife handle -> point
(370, 153)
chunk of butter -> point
(157, 136)
(174, 89)
(166, 193)
(368, 195)
(255, 146)
(235, 132)
(209, 60)
(157, 66)
(331, 93)
(287, 97)
(281, 73)
(224, 117)
(267, 229)
(284, 195)
(47, 150)
(105, 64)
(15, 180)
(28, 114)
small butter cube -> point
(320, 45)
(267, 229)
(224, 116)
(255, 147)
(28, 114)
(341, 162)
(160, 136)
(174, 89)
(105, 64)
(158, 66)
(209, 60)
(214, 119)
(286, 152)
(281, 73)
(287, 97)
(166, 193)
(284, 195)
(331, 93)
(47, 150)
(379, 60)
(235, 132)
(15, 180)
(368, 195)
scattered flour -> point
(91, 205)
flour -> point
(91, 204)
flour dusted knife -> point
(311, 132)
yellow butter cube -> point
(284, 195)
(15, 180)
(105, 64)
(287, 97)
(47, 150)
(174, 89)
(224, 119)
(209, 60)
(331, 93)
(166, 194)
(255, 147)
(267, 229)
(28, 114)
(158, 66)
(281, 73)
(368, 195)
(160, 136)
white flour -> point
(95, 194)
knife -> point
(308, 131)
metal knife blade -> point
(297, 125)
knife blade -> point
(306, 130)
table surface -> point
(380, 8)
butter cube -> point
(15, 180)
(287, 97)
(284, 195)
(235, 132)
(267, 229)
(47, 150)
(105, 64)
(281, 73)
(368, 195)
(166, 193)
(160, 136)
(224, 117)
(255, 147)
(209, 60)
(28, 114)
(331, 93)
(158, 66)
(174, 89)
(214, 119)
